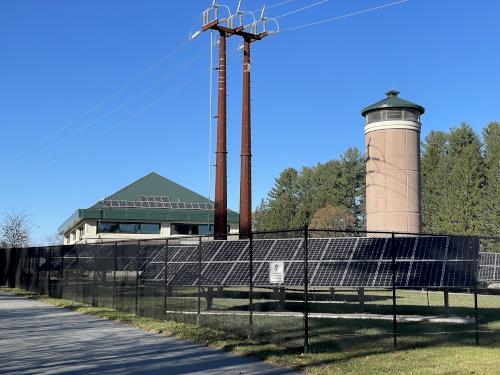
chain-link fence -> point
(308, 290)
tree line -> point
(460, 173)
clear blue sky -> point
(81, 116)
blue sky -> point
(84, 110)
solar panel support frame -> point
(199, 283)
(165, 286)
(115, 249)
(94, 280)
(306, 290)
(137, 278)
(476, 267)
(250, 284)
(394, 311)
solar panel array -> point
(433, 261)
(156, 202)
(489, 267)
(425, 261)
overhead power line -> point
(119, 91)
(171, 74)
(302, 9)
(131, 117)
(343, 16)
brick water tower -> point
(393, 193)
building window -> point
(393, 114)
(192, 229)
(81, 232)
(128, 228)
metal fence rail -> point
(310, 290)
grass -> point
(367, 358)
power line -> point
(343, 16)
(274, 5)
(121, 89)
(134, 98)
(280, 3)
(134, 115)
(302, 9)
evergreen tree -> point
(490, 223)
(353, 185)
(465, 180)
(434, 181)
(281, 207)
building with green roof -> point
(151, 207)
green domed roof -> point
(392, 101)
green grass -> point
(364, 356)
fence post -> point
(115, 249)
(476, 315)
(165, 292)
(94, 277)
(36, 264)
(250, 275)
(394, 312)
(137, 278)
(77, 272)
(50, 271)
(63, 279)
(199, 283)
(306, 291)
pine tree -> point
(434, 179)
(491, 192)
(353, 184)
(282, 202)
(465, 180)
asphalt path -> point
(37, 338)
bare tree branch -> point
(15, 229)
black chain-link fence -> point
(308, 290)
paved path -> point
(38, 338)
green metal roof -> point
(151, 185)
(392, 101)
(154, 184)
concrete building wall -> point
(90, 235)
(393, 201)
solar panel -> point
(152, 271)
(404, 247)
(339, 248)
(431, 248)
(231, 251)
(172, 270)
(284, 249)
(215, 273)
(329, 274)
(261, 273)
(315, 248)
(459, 273)
(462, 248)
(294, 273)
(260, 248)
(209, 249)
(187, 275)
(369, 248)
(239, 275)
(486, 273)
(349, 262)
(425, 274)
(497, 273)
(183, 253)
(360, 273)
(155, 202)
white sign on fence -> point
(276, 272)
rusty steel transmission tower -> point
(253, 32)
(250, 32)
